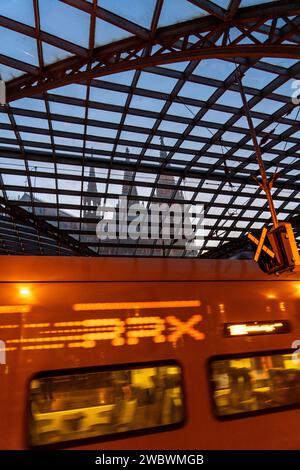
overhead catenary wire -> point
(226, 169)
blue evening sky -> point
(72, 25)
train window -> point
(70, 406)
(247, 384)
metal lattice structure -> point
(86, 80)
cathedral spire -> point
(166, 193)
(162, 153)
(91, 202)
(92, 185)
(128, 176)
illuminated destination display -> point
(256, 328)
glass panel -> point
(139, 12)
(107, 96)
(18, 46)
(149, 81)
(8, 73)
(53, 54)
(222, 3)
(123, 78)
(105, 116)
(18, 10)
(4, 119)
(255, 383)
(176, 11)
(282, 62)
(89, 404)
(142, 102)
(250, 3)
(74, 91)
(214, 68)
(216, 116)
(30, 103)
(107, 33)
(67, 109)
(255, 78)
(31, 122)
(192, 90)
(267, 106)
(65, 22)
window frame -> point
(113, 436)
(245, 355)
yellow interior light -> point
(136, 305)
(15, 308)
(238, 330)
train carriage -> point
(148, 354)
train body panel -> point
(62, 314)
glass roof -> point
(108, 98)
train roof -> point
(59, 269)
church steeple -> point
(167, 179)
(91, 202)
(163, 152)
(92, 185)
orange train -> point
(148, 354)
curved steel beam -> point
(174, 43)
(227, 52)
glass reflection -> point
(77, 406)
(255, 383)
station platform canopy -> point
(140, 98)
